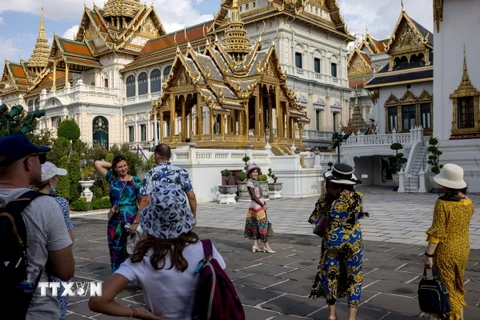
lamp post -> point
(13, 116)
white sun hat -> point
(451, 176)
(49, 170)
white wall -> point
(459, 27)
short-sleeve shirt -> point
(66, 212)
(130, 190)
(168, 292)
(44, 234)
(165, 172)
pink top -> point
(258, 193)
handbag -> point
(116, 208)
(270, 230)
(432, 295)
(320, 225)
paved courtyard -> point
(276, 286)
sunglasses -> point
(41, 156)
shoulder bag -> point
(432, 295)
(320, 225)
(116, 208)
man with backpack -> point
(35, 241)
(171, 179)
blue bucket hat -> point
(16, 146)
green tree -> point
(42, 138)
(61, 147)
(79, 146)
(63, 186)
(74, 173)
(69, 129)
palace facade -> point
(122, 62)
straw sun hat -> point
(451, 176)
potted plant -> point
(396, 161)
(330, 165)
(263, 182)
(87, 181)
(274, 188)
(434, 161)
(227, 192)
(242, 187)
(227, 188)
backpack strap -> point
(15, 208)
(207, 247)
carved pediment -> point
(406, 39)
(91, 33)
(148, 28)
(425, 96)
(408, 96)
(391, 100)
(183, 79)
(358, 67)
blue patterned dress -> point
(339, 271)
(63, 301)
(127, 201)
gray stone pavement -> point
(276, 286)
(394, 217)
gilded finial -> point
(264, 25)
(175, 39)
(185, 34)
(401, 2)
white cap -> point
(49, 170)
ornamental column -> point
(184, 123)
(199, 118)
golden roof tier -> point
(121, 8)
(241, 102)
(39, 59)
(236, 41)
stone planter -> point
(395, 179)
(242, 191)
(275, 190)
(86, 185)
(432, 185)
(264, 187)
(227, 194)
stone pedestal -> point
(226, 198)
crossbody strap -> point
(207, 247)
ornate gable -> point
(409, 39)
(392, 100)
(408, 97)
(358, 64)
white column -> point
(155, 128)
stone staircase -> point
(413, 184)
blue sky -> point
(20, 19)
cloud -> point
(380, 17)
(176, 15)
(71, 32)
(10, 49)
(1, 20)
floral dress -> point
(123, 193)
(450, 229)
(339, 272)
(63, 301)
(256, 224)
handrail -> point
(413, 155)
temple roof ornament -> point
(121, 8)
(438, 13)
(356, 123)
(236, 42)
(39, 58)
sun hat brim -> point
(449, 183)
(251, 169)
(329, 176)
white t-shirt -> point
(46, 231)
(169, 293)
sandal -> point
(139, 289)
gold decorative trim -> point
(438, 13)
(465, 90)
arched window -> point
(30, 105)
(155, 81)
(130, 86)
(166, 71)
(100, 131)
(37, 104)
(142, 83)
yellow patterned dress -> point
(339, 272)
(450, 229)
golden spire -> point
(236, 41)
(39, 58)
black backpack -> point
(16, 290)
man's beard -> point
(36, 179)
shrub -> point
(74, 174)
(101, 203)
(80, 206)
(61, 147)
(227, 174)
(79, 146)
(245, 161)
(262, 177)
(63, 186)
(330, 165)
(69, 130)
(398, 159)
(434, 157)
(271, 175)
(241, 176)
